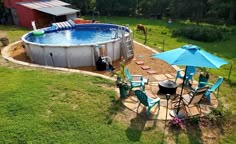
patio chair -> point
(146, 101)
(213, 87)
(208, 88)
(135, 80)
(191, 102)
(189, 74)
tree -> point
(223, 8)
(116, 7)
(84, 5)
(188, 8)
(1, 8)
(104, 6)
(192, 9)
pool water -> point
(74, 36)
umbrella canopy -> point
(191, 55)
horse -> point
(141, 27)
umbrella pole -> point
(181, 93)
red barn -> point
(43, 12)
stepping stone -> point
(151, 72)
(139, 62)
(145, 67)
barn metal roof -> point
(58, 11)
(43, 4)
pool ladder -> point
(126, 44)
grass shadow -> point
(232, 84)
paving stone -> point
(154, 83)
(151, 72)
(160, 77)
(163, 77)
(139, 62)
(192, 111)
(172, 79)
(145, 67)
(205, 109)
(173, 74)
(169, 76)
(150, 94)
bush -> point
(204, 34)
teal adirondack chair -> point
(209, 87)
(135, 80)
(213, 88)
(189, 74)
(146, 101)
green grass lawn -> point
(38, 106)
(50, 107)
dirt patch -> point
(18, 53)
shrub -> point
(223, 28)
(3, 39)
(204, 34)
(219, 112)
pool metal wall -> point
(73, 55)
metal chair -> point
(190, 101)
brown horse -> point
(140, 27)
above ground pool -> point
(77, 46)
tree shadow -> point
(193, 130)
(190, 127)
(164, 132)
(175, 131)
(134, 131)
(114, 108)
(231, 83)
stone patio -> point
(152, 90)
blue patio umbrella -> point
(190, 55)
